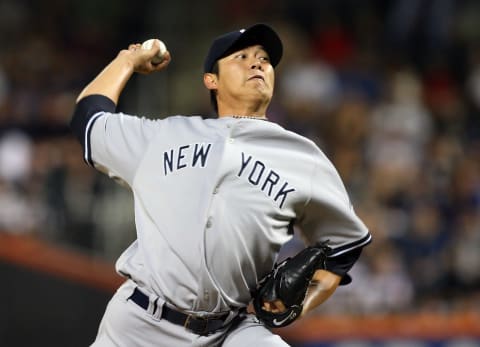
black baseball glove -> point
(288, 282)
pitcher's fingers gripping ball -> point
(160, 56)
(288, 282)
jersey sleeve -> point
(329, 217)
(113, 143)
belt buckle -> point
(187, 321)
(191, 318)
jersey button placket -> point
(209, 222)
(229, 133)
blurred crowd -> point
(390, 90)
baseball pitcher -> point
(215, 199)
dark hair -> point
(213, 93)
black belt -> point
(198, 325)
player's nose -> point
(256, 64)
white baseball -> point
(157, 59)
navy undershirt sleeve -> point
(341, 264)
(85, 109)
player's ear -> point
(210, 81)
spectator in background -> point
(309, 91)
(19, 211)
(465, 253)
(400, 129)
(424, 249)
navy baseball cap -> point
(258, 34)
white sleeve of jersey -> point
(116, 143)
(329, 214)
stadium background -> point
(390, 90)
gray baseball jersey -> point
(215, 200)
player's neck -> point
(242, 112)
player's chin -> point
(262, 95)
(263, 91)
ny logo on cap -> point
(242, 30)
